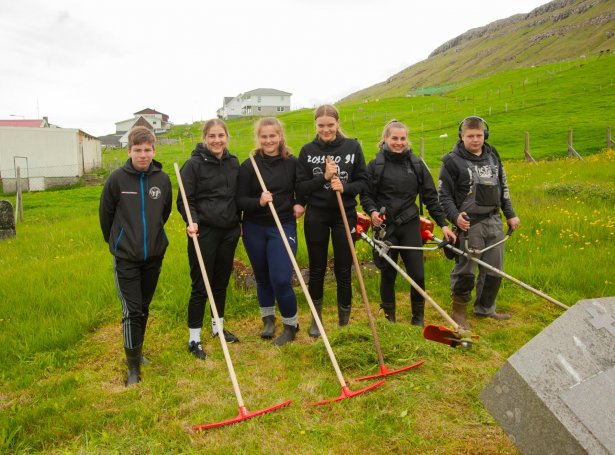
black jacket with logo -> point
(134, 206)
(398, 185)
(455, 179)
(279, 175)
(311, 181)
(210, 184)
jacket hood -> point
(334, 143)
(206, 154)
(394, 156)
(463, 153)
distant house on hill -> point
(47, 155)
(150, 118)
(260, 102)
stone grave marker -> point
(556, 395)
(7, 220)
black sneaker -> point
(229, 337)
(196, 350)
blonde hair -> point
(386, 131)
(209, 124)
(271, 121)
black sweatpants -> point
(135, 283)
(408, 234)
(318, 224)
(218, 250)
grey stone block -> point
(556, 395)
(7, 220)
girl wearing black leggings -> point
(396, 178)
(331, 162)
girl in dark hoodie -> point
(268, 256)
(330, 163)
(210, 182)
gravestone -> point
(7, 220)
(556, 395)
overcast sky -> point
(88, 64)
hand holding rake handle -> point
(243, 412)
(346, 392)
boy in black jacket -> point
(472, 190)
(134, 206)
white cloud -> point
(87, 65)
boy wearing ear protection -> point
(472, 189)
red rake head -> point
(244, 414)
(347, 393)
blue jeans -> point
(271, 265)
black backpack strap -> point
(415, 163)
(378, 169)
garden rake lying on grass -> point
(457, 336)
(244, 414)
(346, 392)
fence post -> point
(528, 157)
(571, 151)
(609, 139)
(19, 195)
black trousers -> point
(408, 234)
(318, 225)
(136, 283)
(218, 250)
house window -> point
(258, 108)
(259, 99)
(280, 108)
(282, 98)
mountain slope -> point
(558, 30)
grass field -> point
(62, 365)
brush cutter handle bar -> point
(357, 269)
(414, 285)
(325, 340)
(474, 251)
(212, 303)
(503, 274)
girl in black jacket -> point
(331, 162)
(210, 182)
(264, 245)
(396, 178)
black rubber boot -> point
(418, 311)
(268, 327)
(288, 335)
(313, 330)
(343, 314)
(133, 359)
(389, 310)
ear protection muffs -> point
(485, 130)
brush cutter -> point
(469, 254)
(457, 336)
(384, 371)
(244, 414)
(346, 392)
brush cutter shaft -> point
(214, 310)
(501, 273)
(357, 268)
(325, 340)
(412, 283)
(474, 251)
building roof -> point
(142, 122)
(266, 91)
(148, 110)
(38, 123)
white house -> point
(158, 121)
(47, 157)
(259, 102)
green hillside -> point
(559, 30)
(545, 100)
